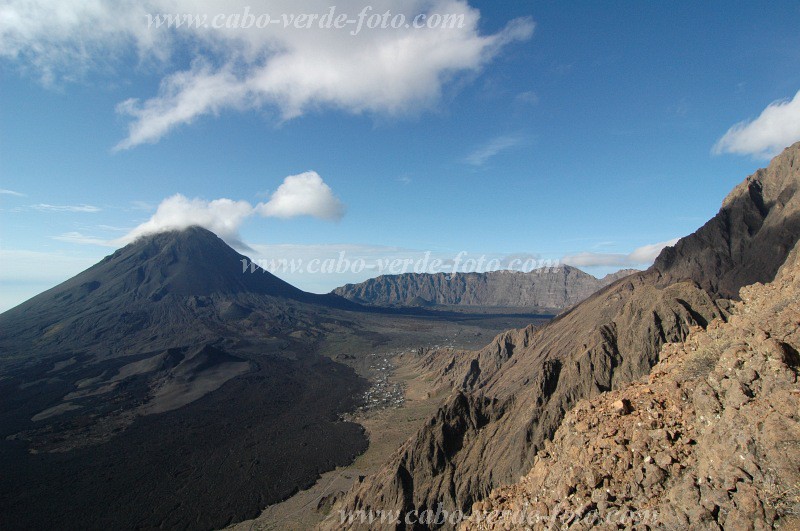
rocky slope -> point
(513, 395)
(711, 440)
(553, 288)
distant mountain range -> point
(546, 289)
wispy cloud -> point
(77, 237)
(37, 266)
(44, 207)
(644, 255)
(482, 154)
(142, 205)
(290, 70)
(26, 273)
(528, 97)
(3, 191)
(777, 127)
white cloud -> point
(183, 97)
(294, 71)
(66, 38)
(223, 217)
(776, 128)
(3, 191)
(647, 254)
(481, 156)
(44, 207)
(303, 195)
(644, 255)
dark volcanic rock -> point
(167, 386)
(166, 290)
(610, 339)
(554, 288)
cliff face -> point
(711, 439)
(520, 387)
(553, 288)
(748, 239)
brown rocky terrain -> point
(710, 440)
(551, 288)
(511, 397)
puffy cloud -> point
(644, 255)
(387, 71)
(66, 38)
(776, 128)
(223, 217)
(481, 156)
(303, 195)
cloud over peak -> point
(305, 194)
(223, 217)
(777, 127)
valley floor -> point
(403, 397)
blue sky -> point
(583, 132)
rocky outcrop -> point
(522, 393)
(552, 288)
(609, 340)
(711, 440)
(748, 239)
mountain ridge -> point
(552, 288)
(710, 439)
(512, 396)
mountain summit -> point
(165, 290)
